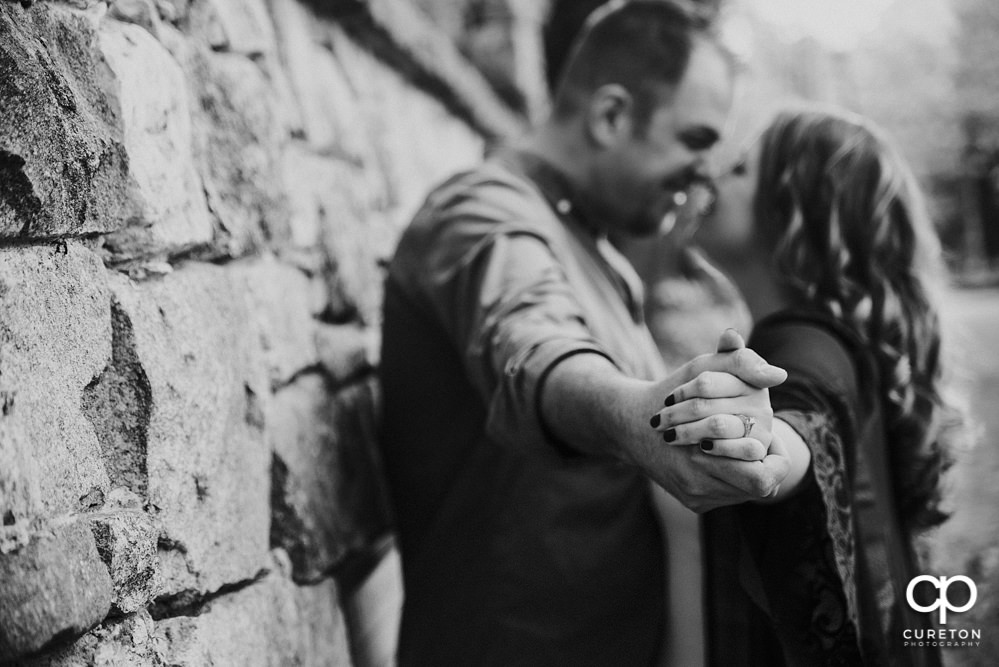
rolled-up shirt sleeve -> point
(513, 316)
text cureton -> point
(942, 633)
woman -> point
(827, 236)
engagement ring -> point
(747, 423)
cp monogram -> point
(942, 602)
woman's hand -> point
(713, 410)
(721, 413)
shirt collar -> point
(555, 187)
(559, 193)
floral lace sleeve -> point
(821, 571)
(828, 469)
(800, 555)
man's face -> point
(638, 179)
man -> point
(518, 375)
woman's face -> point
(726, 233)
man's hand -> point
(702, 482)
(588, 402)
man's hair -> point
(642, 45)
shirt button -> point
(563, 206)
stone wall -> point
(196, 200)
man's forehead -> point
(704, 95)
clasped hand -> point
(717, 423)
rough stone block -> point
(411, 161)
(118, 403)
(238, 138)
(171, 213)
(142, 13)
(63, 168)
(416, 48)
(280, 299)
(173, 11)
(270, 622)
(449, 16)
(347, 351)
(357, 247)
(333, 213)
(330, 114)
(208, 461)
(306, 177)
(507, 48)
(286, 108)
(327, 496)
(244, 26)
(54, 589)
(126, 541)
(123, 642)
(417, 161)
(54, 339)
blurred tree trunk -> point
(978, 101)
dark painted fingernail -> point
(654, 422)
(670, 435)
(707, 445)
(670, 400)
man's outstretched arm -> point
(547, 381)
(587, 401)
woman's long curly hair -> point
(851, 236)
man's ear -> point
(610, 115)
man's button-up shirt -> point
(517, 549)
